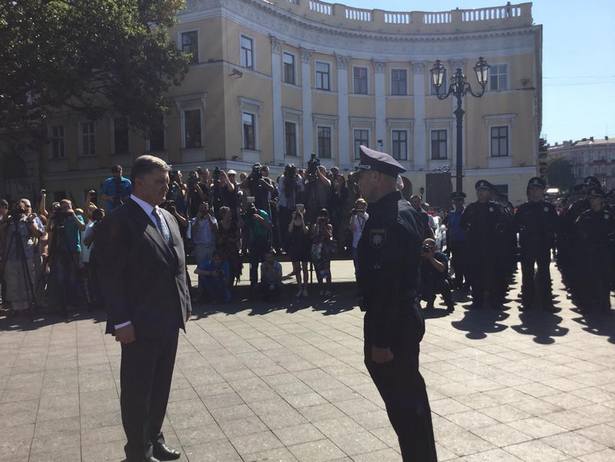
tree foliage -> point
(90, 56)
(560, 175)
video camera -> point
(256, 173)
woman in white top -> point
(357, 223)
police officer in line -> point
(388, 266)
(536, 221)
(484, 224)
(456, 239)
(596, 231)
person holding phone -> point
(299, 248)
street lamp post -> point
(458, 88)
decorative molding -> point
(500, 117)
(342, 61)
(456, 64)
(306, 55)
(276, 44)
(379, 66)
(418, 67)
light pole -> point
(458, 88)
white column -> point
(306, 95)
(342, 111)
(276, 83)
(379, 90)
(420, 151)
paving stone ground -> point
(286, 382)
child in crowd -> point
(323, 248)
(271, 276)
(214, 275)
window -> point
(399, 82)
(190, 45)
(290, 136)
(88, 139)
(501, 189)
(361, 137)
(323, 76)
(438, 145)
(324, 142)
(443, 88)
(499, 141)
(498, 77)
(57, 142)
(400, 144)
(249, 131)
(359, 75)
(120, 135)
(192, 128)
(247, 52)
(156, 136)
(289, 68)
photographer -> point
(357, 223)
(177, 191)
(317, 189)
(19, 256)
(214, 276)
(194, 193)
(203, 229)
(260, 188)
(337, 203)
(64, 255)
(289, 187)
(115, 189)
(434, 275)
(224, 194)
(257, 223)
(171, 207)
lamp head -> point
(482, 71)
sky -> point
(578, 60)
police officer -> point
(596, 231)
(483, 222)
(536, 221)
(456, 238)
(388, 262)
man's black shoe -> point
(164, 452)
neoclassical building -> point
(276, 81)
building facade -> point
(588, 157)
(275, 81)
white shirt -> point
(357, 223)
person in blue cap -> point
(389, 255)
(596, 231)
(484, 224)
(537, 223)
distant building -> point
(588, 157)
(276, 81)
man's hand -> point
(125, 334)
(381, 355)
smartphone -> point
(300, 208)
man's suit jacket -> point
(143, 279)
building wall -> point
(222, 88)
(588, 157)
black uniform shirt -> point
(596, 230)
(537, 224)
(388, 262)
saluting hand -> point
(381, 355)
(125, 334)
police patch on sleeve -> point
(377, 238)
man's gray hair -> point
(146, 164)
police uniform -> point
(484, 224)
(596, 231)
(537, 224)
(388, 267)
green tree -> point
(90, 56)
(560, 175)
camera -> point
(217, 174)
(256, 172)
(313, 165)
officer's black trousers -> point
(536, 273)
(402, 389)
(458, 261)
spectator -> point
(223, 192)
(115, 189)
(337, 202)
(260, 188)
(434, 275)
(88, 238)
(214, 278)
(271, 277)
(317, 190)
(19, 233)
(417, 203)
(232, 177)
(195, 194)
(258, 226)
(357, 223)
(298, 248)
(178, 191)
(323, 247)
(290, 187)
(203, 233)
(227, 243)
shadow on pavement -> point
(543, 325)
(477, 323)
(602, 324)
(45, 318)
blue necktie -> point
(161, 224)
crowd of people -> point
(310, 217)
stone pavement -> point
(287, 383)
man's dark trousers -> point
(540, 276)
(145, 375)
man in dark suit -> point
(141, 266)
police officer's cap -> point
(458, 195)
(379, 162)
(483, 184)
(595, 192)
(591, 181)
(537, 182)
